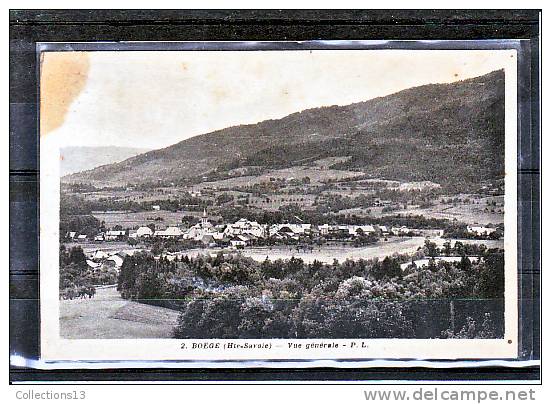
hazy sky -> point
(155, 99)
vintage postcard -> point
(327, 204)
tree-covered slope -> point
(451, 134)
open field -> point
(329, 161)
(111, 246)
(136, 219)
(326, 254)
(316, 175)
(126, 195)
(470, 209)
(477, 211)
(276, 201)
(107, 315)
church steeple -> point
(204, 219)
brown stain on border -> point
(63, 75)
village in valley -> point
(371, 228)
(377, 219)
(165, 256)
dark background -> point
(30, 26)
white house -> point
(244, 226)
(383, 229)
(366, 229)
(324, 229)
(116, 260)
(170, 232)
(129, 252)
(144, 231)
(92, 264)
(291, 228)
(208, 240)
(197, 232)
(218, 236)
(400, 230)
(99, 255)
(201, 229)
(480, 230)
(238, 243)
(114, 234)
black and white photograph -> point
(276, 195)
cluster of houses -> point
(245, 232)
(100, 260)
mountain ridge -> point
(75, 159)
(377, 133)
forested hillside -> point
(451, 134)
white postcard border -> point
(54, 348)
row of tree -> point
(236, 297)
